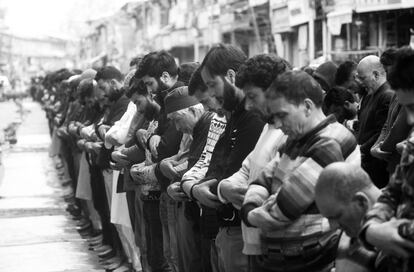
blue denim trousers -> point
(229, 245)
(193, 249)
(168, 215)
(154, 237)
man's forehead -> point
(279, 104)
(207, 76)
(147, 78)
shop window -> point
(318, 38)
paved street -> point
(36, 232)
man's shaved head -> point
(341, 181)
(343, 194)
(371, 73)
(372, 63)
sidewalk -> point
(37, 234)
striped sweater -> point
(288, 182)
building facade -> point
(305, 32)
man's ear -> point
(309, 106)
(165, 77)
(231, 76)
(376, 74)
(361, 201)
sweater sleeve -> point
(296, 194)
(118, 132)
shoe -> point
(107, 254)
(113, 266)
(84, 226)
(101, 248)
(123, 268)
(108, 261)
(95, 242)
(95, 239)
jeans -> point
(139, 229)
(154, 237)
(193, 250)
(229, 243)
(168, 215)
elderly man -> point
(344, 194)
(296, 237)
(372, 115)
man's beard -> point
(114, 94)
(230, 101)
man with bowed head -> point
(344, 194)
(281, 201)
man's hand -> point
(175, 192)
(378, 153)
(153, 145)
(111, 140)
(400, 146)
(73, 129)
(62, 132)
(167, 169)
(96, 146)
(81, 144)
(203, 194)
(261, 218)
(121, 160)
(385, 237)
(233, 193)
(102, 130)
(141, 137)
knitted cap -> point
(179, 99)
(88, 73)
(326, 73)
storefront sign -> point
(277, 3)
(254, 3)
(299, 12)
(377, 5)
(280, 20)
(336, 19)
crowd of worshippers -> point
(239, 164)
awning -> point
(280, 20)
(336, 19)
(254, 3)
(379, 5)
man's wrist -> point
(220, 185)
(244, 212)
(192, 192)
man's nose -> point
(277, 123)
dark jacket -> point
(240, 137)
(170, 136)
(372, 116)
(394, 131)
(115, 112)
